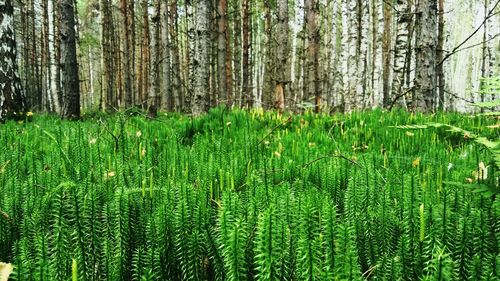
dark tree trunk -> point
(69, 66)
(12, 104)
(386, 55)
(425, 52)
(247, 91)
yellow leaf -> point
(109, 174)
(410, 134)
(5, 271)
(416, 162)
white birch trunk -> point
(54, 71)
(353, 87)
(362, 75)
(166, 95)
(200, 61)
(400, 47)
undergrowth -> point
(248, 196)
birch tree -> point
(200, 61)
(12, 104)
(154, 89)
(54, 63)
(400, 51)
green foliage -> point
(249, 196)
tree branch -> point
(491, 14)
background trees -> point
(188, 55)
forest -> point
(250, 140)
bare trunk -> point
(154, 89)
(247, 92)
(70, 81)
(282, 69)
(221, 51)
(200, 61)
(425, 71)
(386, 55)
(237, 51)
(144, 64)
(54, 59)
(313, 76)
(127, 8)
(440, 55)
(12, 103)
(166, 98)
(176, 88)
(270, 64)
(400, 52)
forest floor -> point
(250, 196)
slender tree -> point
(425, 67)
(282, 69)
(221, 51)
(128, 51)
(166, 99)
(178, 99)
(246, 87)
(313, 37)
(200, 61)
(270, 55)
(400, 53)
(154, 97)
(70, 82)
(386, 54)
(12, 103)
(440, 55)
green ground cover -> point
(249, 196)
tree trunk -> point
(127, 8)
(12, 104)
(154, 89)
(313, 77)
(70, 81)
(166, 98)
(200, 61)
(282, 69)
(353, 52)
(55, 81)
(144, 65)
(375, 59)
(363, 30)
(247, 92)
(440, 55)
(386, 55)
(270, 63)
(221, 51)
(425, 66)
(108, 89)
(400, 47)
(177, 92)
(236, 11)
